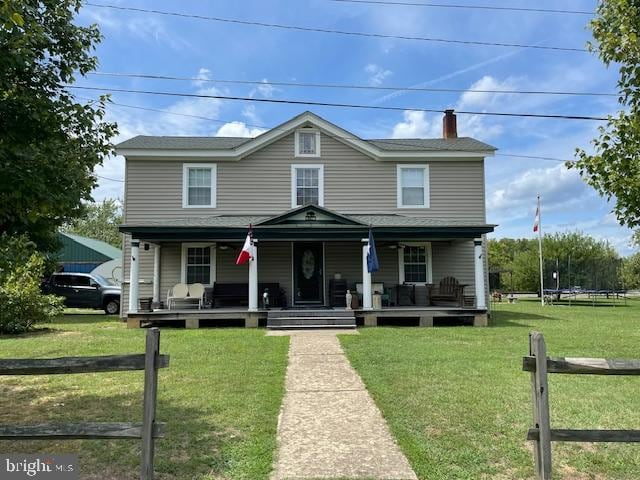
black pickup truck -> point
(84, 290)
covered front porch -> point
(239, 316)
(311, 259)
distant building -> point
(82, 254)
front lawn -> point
(459, 403)
(220, 398)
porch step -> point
(284, 319)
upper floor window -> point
(307, 143)
(199, 185)
(307, 185)
(413, 186)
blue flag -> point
(372, 256)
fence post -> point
(150, 396)
(540, 391)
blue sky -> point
(153, 44)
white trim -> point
(185, 184)
(212, 256)
(429, 258)
(294, 197)
(285, 129)
(427, 193)
(297, 142)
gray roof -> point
(462, 144)
(243, 221)
(183, 143)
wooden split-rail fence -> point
(542, 434)
(147, 431)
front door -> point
(308, 275)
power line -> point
(395, 142)
(337, 105)
(107, 178)
(475, 7)
(326, 30)
(533, 157)
(345, 86)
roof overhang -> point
(300, 233)
(304, 119)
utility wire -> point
(326, 30)
(344, 86)
(395, 142)
(476, 7)
(338, 105)
(107, 178)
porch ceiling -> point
(383, 229)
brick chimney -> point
(449, 127)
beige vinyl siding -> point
(261, 184)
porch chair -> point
(196, 292)
(178, 292)
(448, 291)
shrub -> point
(22, 303)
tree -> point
(631, 271)
(578, 258)
(49, 142)
(614, 167)
(100, 221)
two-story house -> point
(311, 192)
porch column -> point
(253, 278)
(156, 275)
(134, 273)
(481, 302)
(367, 301)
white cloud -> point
(203, 74)
(377, 74)
(153, 30)
(265, 89)
(238, 129)
(415, 125)
(557, 186)
(249, 112)
(485, 99)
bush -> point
(22, 303)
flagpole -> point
(540, 250)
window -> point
(307, 185)
(62, 280)
(415, 263)
(198, 263)
(307, 143)
(413, 186)
(80, 281)
(199, 185)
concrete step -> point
(310, 313)
(312, 322)
(309, 326)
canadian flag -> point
(536, 222)
(247, 250)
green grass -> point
(459, 403)
(220, 398)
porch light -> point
(310, 216)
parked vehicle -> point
(84, 290)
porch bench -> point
(237, 294)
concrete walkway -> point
(329, 426)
